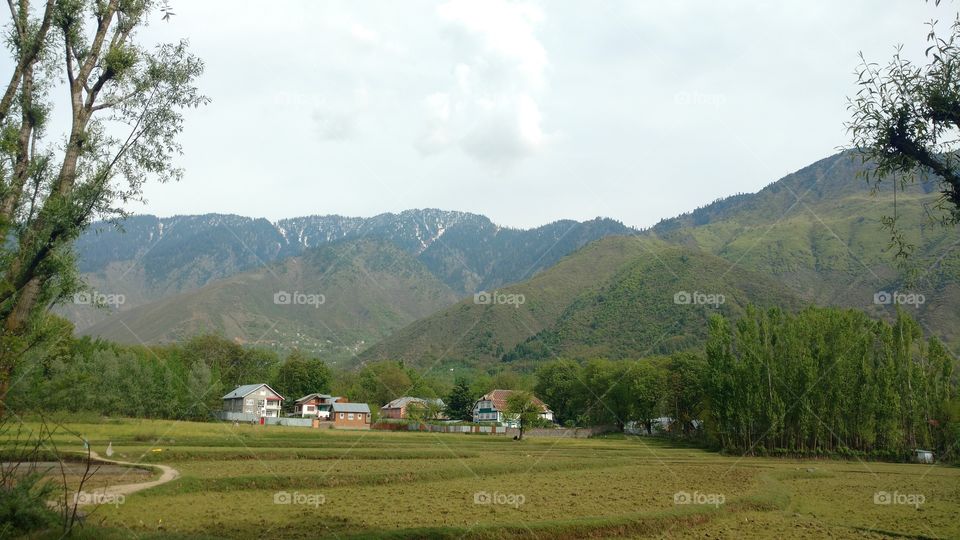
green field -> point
(342, 484)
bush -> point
(23, 506)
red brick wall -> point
(360, 420)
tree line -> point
(822, 381)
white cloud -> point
(490, 110)
(364, 35)
(334, 125)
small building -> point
(492, 407)
(256, 400)
(923, 456)
(316, 405)
(400, 407)
(350, 415)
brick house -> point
(258, 400)
(399, 408)
(316, 405)
(491, 407)
(350, 415)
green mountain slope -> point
(814, 236)
(332, 300)
(819, 232)
(614, 298)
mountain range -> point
(403, 286)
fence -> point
(571, 433)
(439, 428)
(247, 418)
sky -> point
(526, 112)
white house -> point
(492, 406)
(316, 406)
(254, 399)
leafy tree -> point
(520, 405)
(423, 411)
(202, 391)
(559, 384)
(299, 376)
(124, 119)
(904, 119)
(460, 401)
(826, 380)
(684, 399)
(644, 385)
(381, 382)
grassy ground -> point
(279, 482)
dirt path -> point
(110, 494)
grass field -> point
(280, 482)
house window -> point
(350, 416)
(341, 416)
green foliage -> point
(904, 117)
(460, 400)
(299, 376)
(522, 407)
(826, 381)
(23, 506)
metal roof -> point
(351, 407)
(247, 389)
(406, 400)
(314, 395)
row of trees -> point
(823, 380)
(603, 392)
(180, 381)
(827, 380)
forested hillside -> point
(152, 258)
(332, 300)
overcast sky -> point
(526, 112)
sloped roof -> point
(499, 399)
(311, 396)
(406, 400)
(247, 389)
(351, 407)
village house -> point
(316, 406)
(350, 415)
(493, 405)
(400, 407)
(254, 400)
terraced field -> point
(276, 482)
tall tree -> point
(460, 401)
(299, 376)
(520, 405)
(125, 115)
